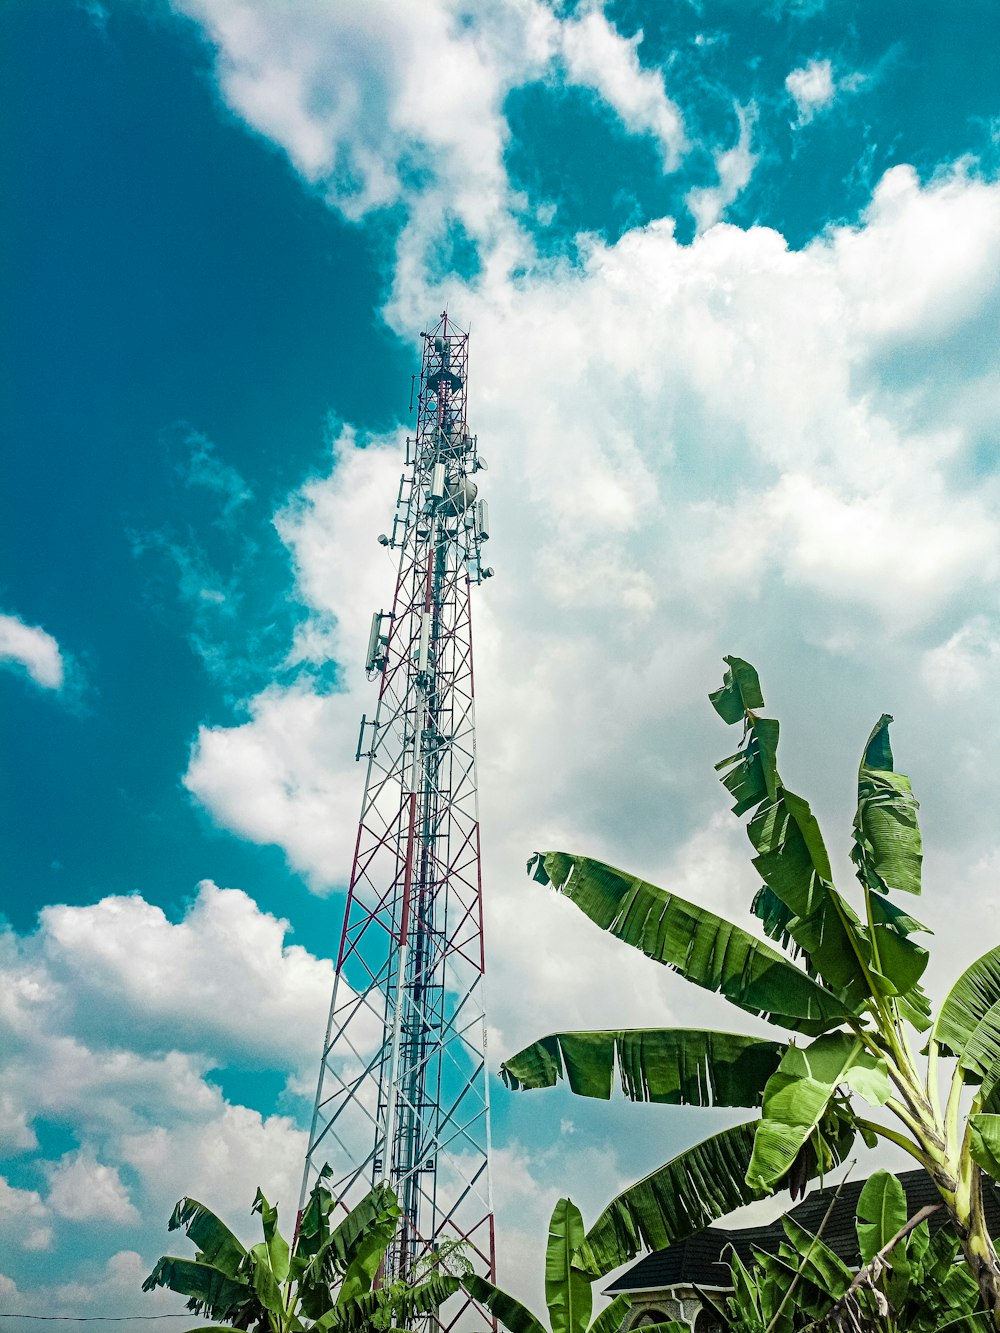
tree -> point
(908, 1283)
(846, 990)
(325, 1281)
(568, 1291)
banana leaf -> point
(612, 1316)
(258, 1270)
(677, 1066)
(798, 903)
(676, 1200)
(793, 863)
(968, 1024)
(887, 848)
(404, 1303)
(703, 948)
(798, 1094)
(740, 692)
(370, 1219)
(568, 1293)
(210, 1290)
(314, 1224)
(276, 1247)
(881, 1213)
(216, 1243)
(814, 1259)
(514, 1316)
(984, 1142)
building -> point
(664, 1285)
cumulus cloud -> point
(702, 456)
(597, 56)
(369, 98)
(814, 87)
(113, 1020)
(32, 649)
(23, 1218)
(85, 1190)
(222, 981)
(734, 167)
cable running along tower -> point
(403, 1093)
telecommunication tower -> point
(403, 1085)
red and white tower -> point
(403, 1090)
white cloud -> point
(85, 1190)
(221, 981)
(965, 662)
(32, 648)
(814, 87)
(811, 88)
(368, 96)
(734, 167)
(696, 461)
(23, 1218)
(597, 56)
(112, 1019)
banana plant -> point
(568, 1290)
(909, 1281)
(843, 983)
(326, 1280)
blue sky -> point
(733, 275)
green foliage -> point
(909, 1281)
(681, 1068)
(326, 1281)
(568, 1291)
(846, 976)
(701, 946)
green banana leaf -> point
(679, 1198)
(968, 1024)
(984, 1142)
(793, 863)
(677, 1066)
(210, 1290)
(887, 848)
(514, 1316)
(751, 774)
(366, 1224)
(276, 1247)
(798, 1094)
(368, 1252)
(262, 1280)
(612, 1316)
(314, 1225)
(568, 1293)
(702, 947)
(798, 902)
(881, 1213)
(814, 1259)
(216, 1243)
(740, 692)
(404, 1303)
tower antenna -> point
(403, 1093)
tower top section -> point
(439, 491)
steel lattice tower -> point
(403, 1085)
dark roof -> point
(703, 1258)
